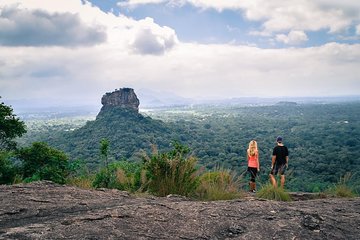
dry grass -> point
(268, 191)
(219, 185)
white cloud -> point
(144, 36)
(293, 38)
(190, 70)
(134, 3)
(358, 29)
(21, 27)
(279, 16)
(153, 39)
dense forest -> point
(323, 139)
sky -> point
(74, 51)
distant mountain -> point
(150, 98)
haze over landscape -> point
(160, 119)
(71, 52)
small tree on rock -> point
(10, 127)
(42, 162)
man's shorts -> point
(278, 169)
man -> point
(279, 162)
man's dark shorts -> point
(278, 169)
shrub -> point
(268, 191)
(341, 188)
(122, 175)
(42, 162)
(79, 175)
(7, 169)
(219, 185)
(173, 172)
(85, 182)
(10, 127)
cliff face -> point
(124, 98)
(43, 210)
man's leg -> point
(282, 181)
(273, 180)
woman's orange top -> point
(253, 161)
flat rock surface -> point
(43, 210)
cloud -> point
(358, 29)
(135, 3)
(152, 39)
(293, 38)
(22, 27)
(282, 16)
(187, 69)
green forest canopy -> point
(322, 138)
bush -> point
(270, 192)
(173, 172)
(85, 182)
(10, 127)
(219, 185)
(41, 162)
(79, 175)
(122, 175)
(341, 188)
(7, 170)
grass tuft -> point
(219, 185)
(268, 191)
(341, 188)
(85, 182)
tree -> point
(42, 162)
(7, 169)
(10, 127)
(103, 178)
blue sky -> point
(209, 25)
(76, 50)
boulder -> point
(44, 210)
(123, 97)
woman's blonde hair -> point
(252, 150)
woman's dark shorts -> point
(253, 172)
(278, 169)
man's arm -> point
(287, 161)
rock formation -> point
(43, 210)
(124, 98)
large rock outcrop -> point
(123, 97)
(43, 210)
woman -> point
(253, 163)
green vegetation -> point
(322, 138)
(268, 191)
(122, 175)
(219, 185)
(7, 170)
(342, 188)
(42, 162)
(10, 128)
(173, 172)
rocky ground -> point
(44, 210)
